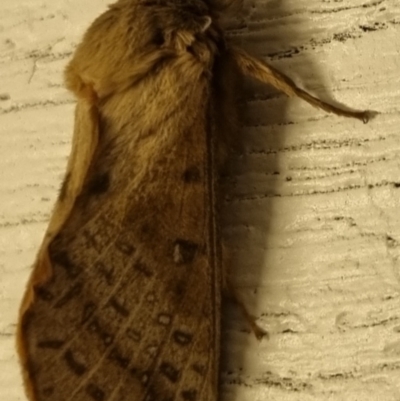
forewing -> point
(131, 310)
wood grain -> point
(311, 216)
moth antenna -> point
(265, 73)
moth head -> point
(182, 20)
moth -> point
(123, 303)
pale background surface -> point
(312, 207)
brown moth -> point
(124, 300)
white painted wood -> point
(311, 215)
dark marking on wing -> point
(143, 268)
(184, 251)
(134, 334)
(77, 367)
(119, 359)
(91, 241)
(191, 175)
(74, 291)
(107, 273)
(95, 392)
(200, 369)
(64, 187)
(62, 259)
(88, 311)
(189, 395)
(154, 393)
(96, 328)
(125, 247)
(51, 344)
(182, 338)
(43, 294)
(170, 372)
(118, 307)
(100, 184)
(141, 375)
(179, 288)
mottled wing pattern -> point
(131, 311)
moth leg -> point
(265, 73)
(233, 294)
(258, 331)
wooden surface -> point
(311, 213)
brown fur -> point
(124, 299)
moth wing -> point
(130, 310)
(84, 141)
